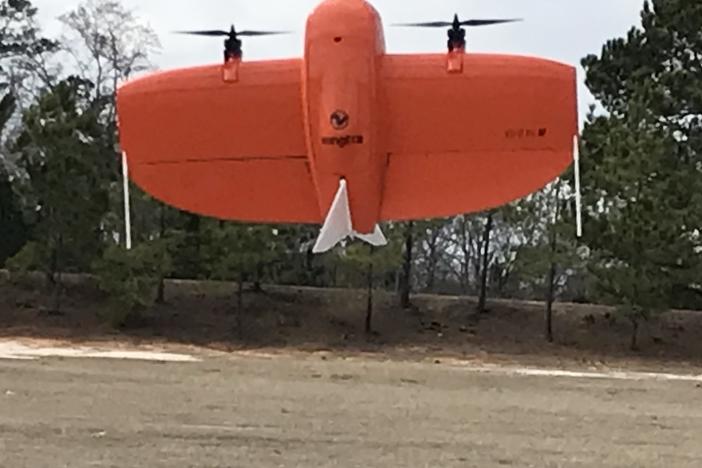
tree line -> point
(61, 193)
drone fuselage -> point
(344, 48)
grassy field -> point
(316, 410)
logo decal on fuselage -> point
(340, 119)
(343, 141)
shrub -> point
(130, 278)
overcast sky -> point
(564, 30)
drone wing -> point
(227, 150)
(462, 143)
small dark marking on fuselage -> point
(340, 120)
(518, 133)
(343, 141)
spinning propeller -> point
(456, 33)
(232, 43)
(457, 24)
(232, 33)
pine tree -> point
(19, 42)
(13, 231)
(66, 181)
(643, 161)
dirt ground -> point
(292, 318)
(304, 410)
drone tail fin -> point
(338, 225)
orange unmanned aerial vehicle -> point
(349, 136)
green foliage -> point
(370, 263)
(432, 239)
(664, 51)
(65, 190)
(356, 257)
(236, 252)
(641, 236)
(8, 104)
(546, 232)
(642, 163)
(296, 264)
(131, 277)
(359, 257)
(13, 232)
(25, 260)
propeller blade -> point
(261, 33)
(448, 24)
(213, 32)
(434, 24)
(488, 22)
